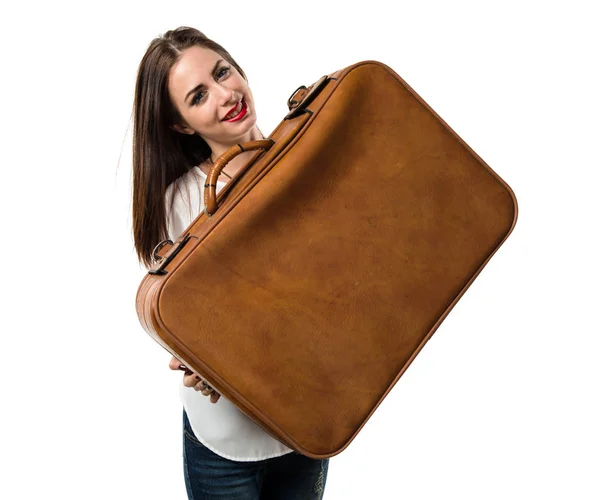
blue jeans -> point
(288, 477)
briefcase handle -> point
(210, 188)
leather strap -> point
(210, 188)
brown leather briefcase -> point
(309, 284)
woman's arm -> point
(180, 213)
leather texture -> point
(330, 259)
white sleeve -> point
(184, 200)
(177, 210)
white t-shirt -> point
(220, 426)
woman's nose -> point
(226, 95)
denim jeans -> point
(288, 477)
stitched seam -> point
(188, 483)
(319, 484)
(192, 438)
(261, 476)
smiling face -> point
(212, 97)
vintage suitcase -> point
(309, 285)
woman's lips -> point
(234, 110)
(241, 114)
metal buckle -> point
(164, 261)
(158, 247)
(291, 101)
(298, 107)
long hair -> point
(160, 154)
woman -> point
(192, 103)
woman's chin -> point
(247, 133)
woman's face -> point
(212, 97)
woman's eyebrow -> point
(199, 86)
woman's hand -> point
(191, 379)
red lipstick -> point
(240, 115)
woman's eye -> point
(197, 98)
(220, 74)
(223, 71)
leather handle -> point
(210, 188)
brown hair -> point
(160, 154)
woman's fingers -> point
(197, 383)
(191, 379)
(194, 380)
(174, 364)
(207, 390)
(204, 388)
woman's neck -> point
(219, 148)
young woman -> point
(192, 103)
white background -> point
(502, 403)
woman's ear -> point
(183, 129)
